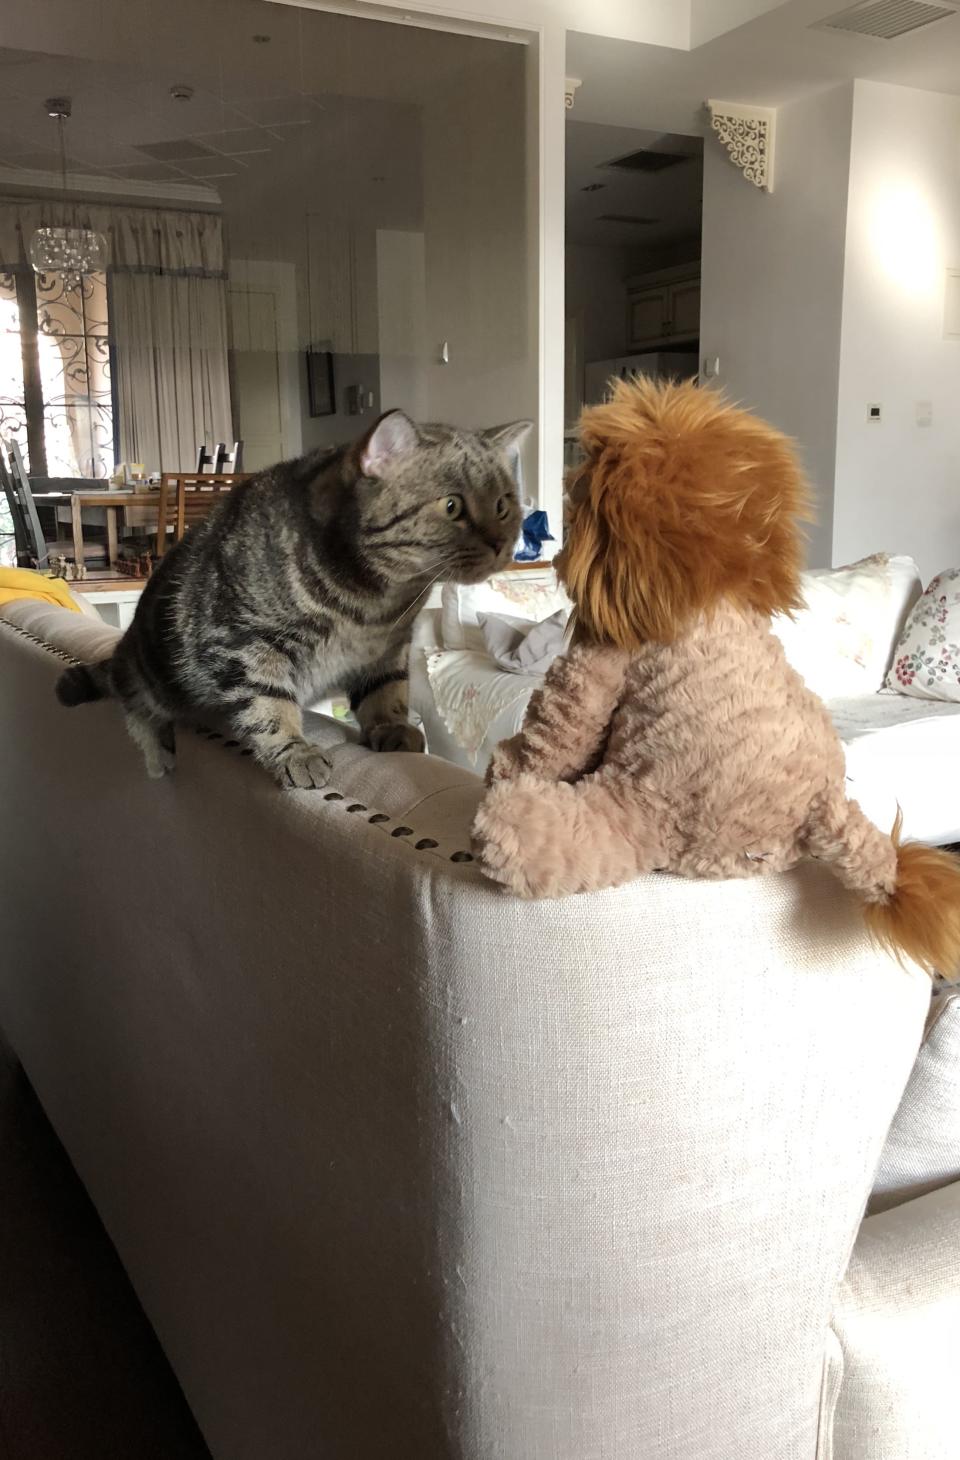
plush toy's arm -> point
(567, 721)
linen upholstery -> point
(922, 1149)
(401, 1167)
(898, 1327)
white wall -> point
(476, 177)
(772, 271)
(898, 484)
(402, 308)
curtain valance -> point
(156, 240)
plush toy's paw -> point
(550, 839)
(521, 834)
(397, 735)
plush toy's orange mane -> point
(683, 501)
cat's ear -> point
(390, 438)
(507, 438)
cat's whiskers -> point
(412, 604)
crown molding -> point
(84, 183)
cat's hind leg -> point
(273, 728)
(379, 697)
(155, 738)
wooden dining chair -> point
(34, 549)
(230, 459)
(188, 497)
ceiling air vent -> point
(646, 160)
(633, 218)
(178, 151)
(885, 20)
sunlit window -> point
(55, 387)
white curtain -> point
(173, 388)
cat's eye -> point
(453, 507)
(503, 507)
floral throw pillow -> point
(926, 663)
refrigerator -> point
(665, 364)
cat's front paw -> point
(396, 736)
(304, 768)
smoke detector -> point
(885, 20)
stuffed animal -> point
(674, 735)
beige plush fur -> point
(674, 735)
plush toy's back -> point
(674, 735)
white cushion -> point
(922, 1150)
(926, 663)
(842, 640)
(531, 594)
(896, 1327)
(520, 647)
(903, 754)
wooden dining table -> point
(110, 498)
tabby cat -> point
(306, 579)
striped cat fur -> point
(307, 579)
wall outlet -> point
(924, 412)
(873, 413)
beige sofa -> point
(403, 1169)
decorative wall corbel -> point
(748, 133)
(570, 92)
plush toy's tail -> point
(911, 891)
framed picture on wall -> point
(320, 383)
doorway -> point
(634, 214)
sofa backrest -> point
(402, 1167)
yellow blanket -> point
(24, 583)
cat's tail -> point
(85, 682)
(911, 891)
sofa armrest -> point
(897, 1318)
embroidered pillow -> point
(926, 662)
(841, 642)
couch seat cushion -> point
(922, 1150)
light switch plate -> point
(874, 412)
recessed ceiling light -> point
(181, 93)
(260, 40)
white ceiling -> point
(771, 60)
(257, 107)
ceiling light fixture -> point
(69, 251)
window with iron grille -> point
(56, 394)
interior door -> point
(256, 366)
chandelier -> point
(70, 252)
